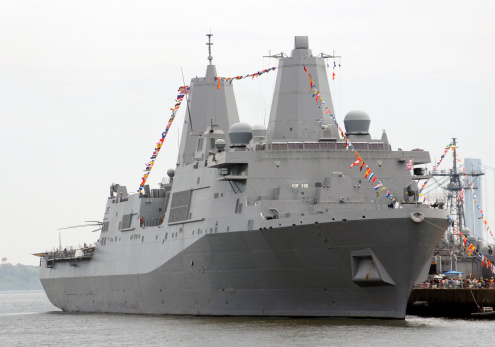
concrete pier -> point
(458, 303)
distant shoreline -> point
(19, 277)
(20, 291)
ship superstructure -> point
(459, 188)
(257, 221)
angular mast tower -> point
(206, 106)
(295, 115)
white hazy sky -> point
(86, 88)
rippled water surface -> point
(29, 319)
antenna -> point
(209, 43)
(277, 56)
(326, 56)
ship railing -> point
(152, 222)
(463, 284)
(324, 145)
(68, 254)
(166, 180)
(451, 172)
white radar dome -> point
(259, 130)
(357, 122)
(220, 144)
(240, 134)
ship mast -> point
(454, 190)
(209, 43)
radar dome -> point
(220, 144)
(171, 173)
(357, 122)
(466, 231)
(472, 239)
(259, 130)
(240, 134)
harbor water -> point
(29, 319)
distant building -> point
(471, 211)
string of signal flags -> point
(471, 249)
(182, 91)
(461, 195)
(450, 145)
(231, 79)
(359, 162)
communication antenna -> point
(94, 224)
(209, 43)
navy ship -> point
(283, 220)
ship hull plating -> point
(305, 270)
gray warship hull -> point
(262, 222)
(304, 270)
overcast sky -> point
(86, 88)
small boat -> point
(485, 313)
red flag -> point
(410, 164)
(356, 162)
(184, 90)
(333, 77)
